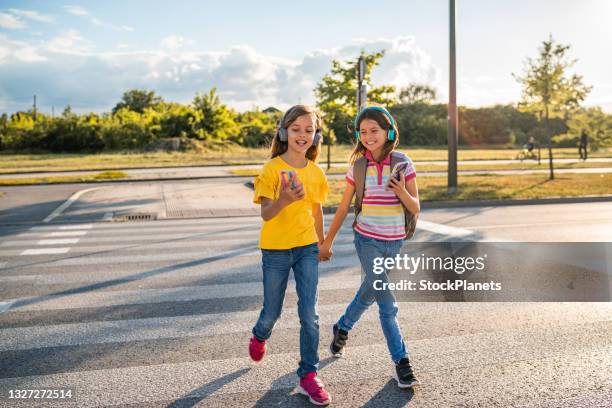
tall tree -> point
(548, 90)
(596, 124)
(137, 100)
(417, 93)
(218, 121)
(337, 92)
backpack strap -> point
(359, 176)
(410, 219)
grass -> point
(221, 154)
(104, 176)
(440, 167)
(490, 187)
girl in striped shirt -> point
(379, 230)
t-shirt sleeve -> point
(410, 172)
(265, 184)
(349, 176)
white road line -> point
(45, 251)
(76, 227)
(471, 315)
(67, 234)
(175, 294)
(441, 229)
(58, 241)
(58, 211)
(6, 305)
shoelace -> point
(405, 370)
(340, 339)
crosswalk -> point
(159, 313)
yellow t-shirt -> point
(294, 225)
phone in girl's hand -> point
(399, 169)
(289, 177)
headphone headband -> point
(391, 134)
(282, 130)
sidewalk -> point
(186, 173)
(168, 200)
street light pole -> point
(361, 87)
(453, 125)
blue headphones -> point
(282, 130)
(391, 135)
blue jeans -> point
(367, 250)
(276, 267)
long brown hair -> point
(279, 147)
(384, 122)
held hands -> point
(325, 251)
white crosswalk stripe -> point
(160, 312)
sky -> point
(273, 53)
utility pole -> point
(34, 109)
(453, 126)
(362, 92)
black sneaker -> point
(339, 341)
(404, 375)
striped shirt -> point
(382, 215)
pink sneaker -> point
(312, 387)
(257, 349)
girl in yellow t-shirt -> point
(291, 189)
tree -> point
(337, 92)
(218, 121)
(418, 93)
(137, 100)
(548, 91)
(596, 124)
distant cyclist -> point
(530, 144)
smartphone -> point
(399, 169)
(289, 177)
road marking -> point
(5, 306)
(45, 251)
(176, 294)
(67, 234)
(443, 229)
(58, 211)
(75, 227)
(58, 241)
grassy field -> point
(438, 167)
(229, 154)
(489, 187)
(104, 176)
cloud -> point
(10, 22)
(174, 42)
(82, 12)
(32, 15)
(77, 10)
(66, 69)
(69, 42)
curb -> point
(435, 173)
(491, 203)
(122, 181)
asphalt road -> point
(159, 314)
